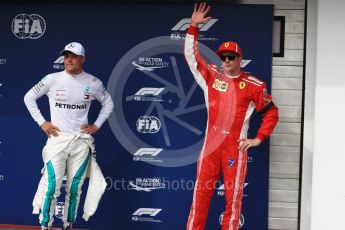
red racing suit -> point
(230, 103)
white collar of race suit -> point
(230, 76)
(77, 75)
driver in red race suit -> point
(231, 96)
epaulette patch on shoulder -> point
(255, 80)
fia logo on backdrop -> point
(28, 26)
(148, 124)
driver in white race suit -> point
(67, 151)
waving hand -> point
(199, 14)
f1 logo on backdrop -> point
(221, 190)
(147, 211)
(146, 94)
(147, 155)
(31, 26)
(59, 63)
(184, 24)
(149, 91)
(148, 151)
(146, 215)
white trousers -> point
(72, 162)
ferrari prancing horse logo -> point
(242, 85)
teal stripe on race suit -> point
(74, 190)
(49, 194)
